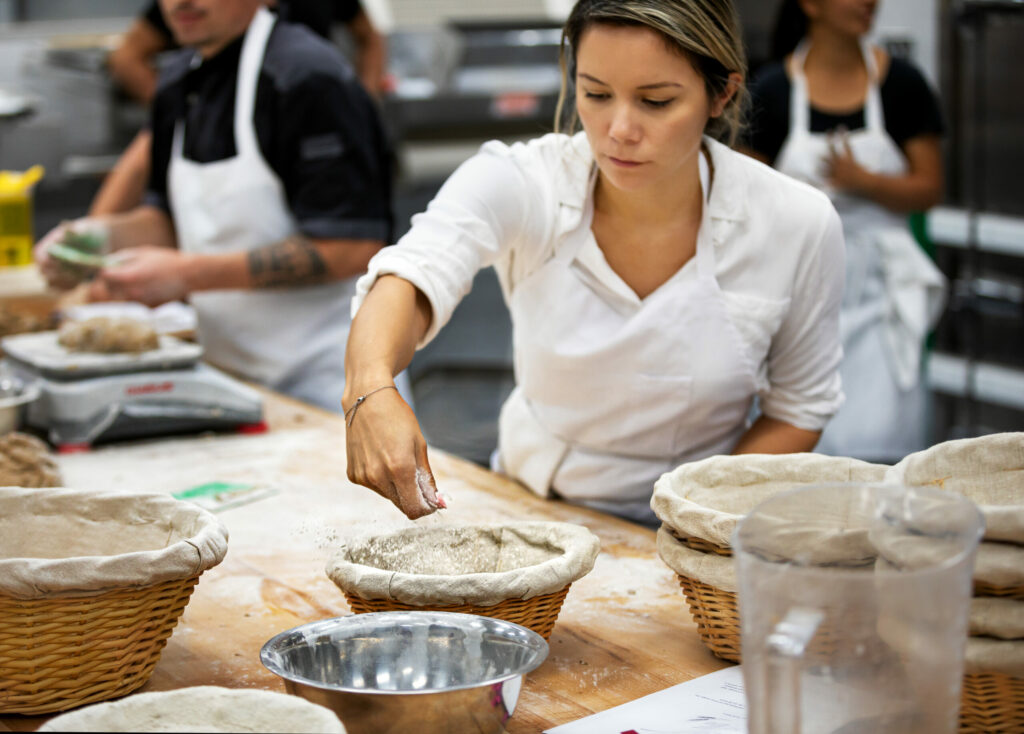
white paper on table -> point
(711, 703)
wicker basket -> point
(538, 613)
(519, 572)
(91, 586)
(56, 654)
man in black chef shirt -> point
(269, 193)
(133, 65)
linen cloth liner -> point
(989, 616)
(203, 709)
(482, 565)
(65, 542)
(985, 655)
(994, 617)
(707, 498)
(988, 470)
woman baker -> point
(658, 281)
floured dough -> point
(25, 461)
(202, 709)
(108, 335)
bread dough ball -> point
(25, 461)
(108, 335)
(202, 709)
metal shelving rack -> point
(980, 237)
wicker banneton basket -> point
(700, 505)
(91, 586)
(706, 499)
(518, 572)
(988, 470)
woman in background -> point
(844, 116)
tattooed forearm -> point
(292, 262)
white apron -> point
(597, 417)
(291, 339)
(893, 293)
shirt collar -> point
(728, 187)
(227, 58)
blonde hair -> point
(706, 32)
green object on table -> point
(217, 496)
(73, 256)
(80, 251)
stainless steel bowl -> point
(15, 396)
(421, 672)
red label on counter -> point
(150, 388)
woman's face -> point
(643, 106)
(849, 17)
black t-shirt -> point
(316, 14)
(908, 103)
(316, 126)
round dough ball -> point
(108, 335)
(202, 709)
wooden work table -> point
(623, 632)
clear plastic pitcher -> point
(853, 603)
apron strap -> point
(800, 104)
(799, 99)
(874, 115)
(249, 65)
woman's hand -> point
(842, 170)
(387, 452)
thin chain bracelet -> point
(350, 414)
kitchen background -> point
(466, 72)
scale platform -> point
(90, 397)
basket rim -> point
(579, 547)
(203, 546)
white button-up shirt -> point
(778, 256)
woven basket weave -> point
(56, 654)
(992, 703)
(538, 613)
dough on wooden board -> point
(202, 709)
(108, 335)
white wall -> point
(918, 22)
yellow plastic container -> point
(16, 236)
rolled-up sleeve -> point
(805, 389)
(481, 212)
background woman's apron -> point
(292, 339)
(610, 395)
(893, 294)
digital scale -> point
(86, 397)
